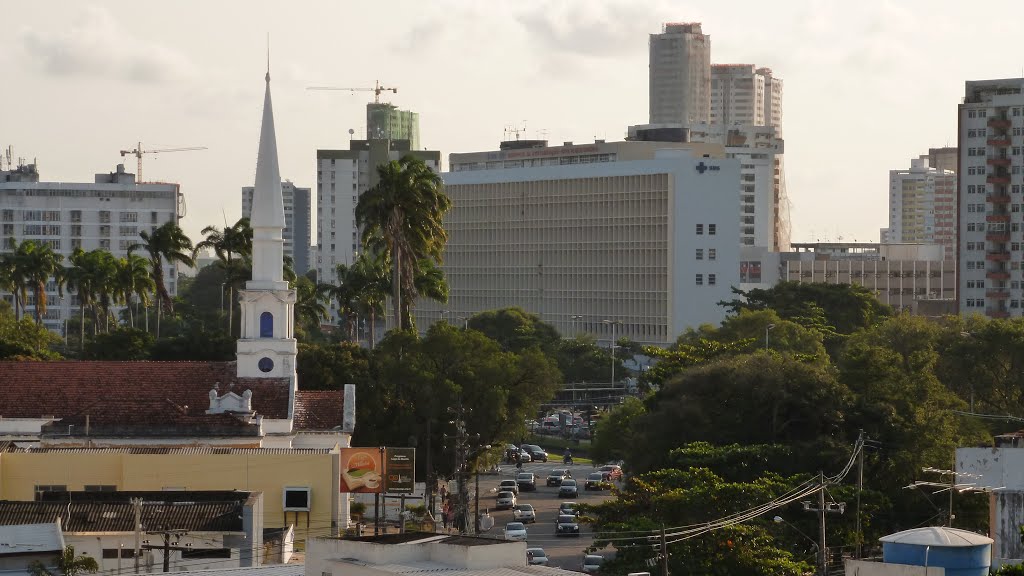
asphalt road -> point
(563, 551)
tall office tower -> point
(107, 214)
(990, 138)
(743, 94)
(639, 238)
(297, 215)
(341, 177)
(386, 122)
(680, 75)
(922, 206)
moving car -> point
(509, 485)
(566, 525)
(515, 531)
(525, 456)
(568, 508)
(568, 489)
(592, 563)
(597, 481)
(614, 471)
(524, 513)
(526, 481)
(506, 500)
(557, 475)
(537, 454)
(537, 556)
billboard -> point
(400, 470)
(362, 470)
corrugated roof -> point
(937, 536)
(269, 570)
(449, 570)
(159, 450)
(120, 516)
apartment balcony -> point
(998, 256)
(997, 275)
(999, 123)
(997, 313)
(998, 179)
(998, 198)
(998, 236)
(997, 218)
(998, 294)
(998, 161)
(999, 141)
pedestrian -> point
(444, 515)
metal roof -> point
(937, 536)
(269, 570)
(449, 570)
(120, 516)
(31, 539)
(159, 450)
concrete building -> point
(680, 75)
(386, 122)
(297, 222)
(947, 158)
(990, 242)
(743, 94)
(999, 469)
(106, 214)
(21, 545)
(642, 233)
(342, 176)
(922, 206)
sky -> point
(868, 85)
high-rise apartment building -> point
(639, 238)
(680, 75)
(945, 158)
(297, 229)
(386, 122)
(341, 177)
(106, 214)
(990, 240)
(743, 94)
(922, 206)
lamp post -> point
(575, 318)
(443, 314)
(781, 520)
(465, 320)
(767, 329)
(613, 324)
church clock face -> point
(265, 364)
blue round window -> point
(266, 364)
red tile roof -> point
(319, 409)
(133, 394)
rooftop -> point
(937, 536)
(293, 569)
(20, 539)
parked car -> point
(597, 481)
(524, 513)
(568, 489)
(566, 525)
(614, 471)
(592, 563)
(506, 500)
(537, 556)
(557, 475)
(537, 454)
(515, 531)
(526, 481)
(568, 508)
(509, 485)
(524, 456)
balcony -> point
(998, 179)
(997, 256)
(999, 141)
(998, 161)
(997, 313)
(998, 294)
(998, 236)
(998, 198)
(997, 275)
(1000, 123)
(997, 218)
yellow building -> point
(300, 486)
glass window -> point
(266, 325)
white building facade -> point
(680, 75)
(106, 214)
(990, 242)
(922, 206)
(642, 235)
(297, 218)
(743, 94)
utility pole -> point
(822, 509)
(463, 451)
(860, 487)
(137, 507)
(166, 547)
(476, 495)
(664, 553)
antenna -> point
(351, 134)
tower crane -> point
(138, 152)
(377, 89)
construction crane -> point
(138, 152)
(377, 89)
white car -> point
(592, 563)
(537, 556)
(506, 500)
(515, 531)
(524, 513)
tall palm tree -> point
(79, 279)
(310, 301)
(168, 242)
(370, 274)
(13, 275)
(229, 244)
(430, 282)
(132, 278)
(7, 278)
(346, 293)
(38, 264)
(401, 217)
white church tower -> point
(267, 346)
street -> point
(563, 551)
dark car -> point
(557, 475)
(568, 489)
(526, 481)
(566, 525)
(568, 508)
(536, 452)
(597, 481)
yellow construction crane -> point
(138, 152)
(377, 89)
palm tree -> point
(12, 276)
(346, 293)
(131, 279)
(309, 301)
(37, 263)
(401, 218)
(8, 282)
(373, 284)
(168, 242)
(67, 564)
(79, 278)
(430, 282)
(229, 243)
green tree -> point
(616, 436)
(24, 339)
(133, 279)
(168, 243)
(580, 359)
(310, 306)
(515, 329)
(35, 263)
(230, 244)
(331, 366)
(401, 218)
(846, 307)
(67, 564)
(124, 344)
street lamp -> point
(613, 324)
(575, 318)
(465, 320)
(767, 329)
(780, 520)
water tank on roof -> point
(960, 552)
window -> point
(700, 229)
(206, 553)
(129, 216)
(112, 553)
(266, 325)
(76, 215)
(104, 216)
(41, 488)
(712, 253)
(700, 253)
(296, 499)
(100, 488)
(711, 229)
(700, 279)
(711, 279)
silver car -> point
(506, 501)
(537, 556)
(592, 563)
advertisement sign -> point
(362, 470)
(400, 469)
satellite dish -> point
(351, 131)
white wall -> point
(865, 568)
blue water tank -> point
(960, 552)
